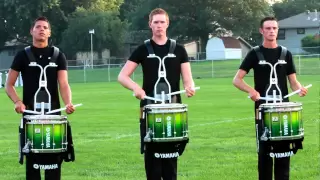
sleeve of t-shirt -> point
(248, 61)
(17, 63)
(62, 62)
(184, 55)
(137, 55)
(290, 64)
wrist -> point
(14, 102)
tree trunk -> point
(203, 44)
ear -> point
(261, 31)
(31, 31)
(149, 25)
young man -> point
(271, 52)
(42, 53)
(157, 168)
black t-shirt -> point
(262, 72)
(150, 66)
(31, 75)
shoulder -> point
(179, 47)
(21, 55)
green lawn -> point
(222, 134)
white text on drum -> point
(48, 137)
(281, 155)
(166, 155)
(169, 126)
(45, 167)
(285, 125)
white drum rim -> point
(45, 117)
(172, 105)
(282, 105)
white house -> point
(224, 48)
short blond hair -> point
(158, 11)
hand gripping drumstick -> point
(267, 99)
(297, 91)
(61, 109)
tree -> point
(109, 32)
(195, 19)
(288, 8)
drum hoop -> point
(166, 111)
(281, 109)
(45, 117)
(276, 106)
(172, 105)
(46, 122)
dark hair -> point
(268, 18)
(41, 18)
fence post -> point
(299, 64)
(108, 61)
(0, 80)
(84, 71)
(212, 74)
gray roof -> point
(302, 20)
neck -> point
(160, 40)
(270, 44)
(38, 44)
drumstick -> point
(182, 91)
(31, 112)
(150, 98)
(61, 109)
(267, 99)
(297, 91)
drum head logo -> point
(36, 166)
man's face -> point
(41, 31)
(159, 24)
(269, 30)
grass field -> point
(222, 134)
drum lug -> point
(147, 138)
(264, 135)
(26, 148)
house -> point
(224, 48)
(7, 53)
(294, 28)
(192, 49)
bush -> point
(311, 43)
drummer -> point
(271, 52)
(179, 65)
(42, 52)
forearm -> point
(12, 93)
(127, 82)
(65, 92)
(242, 85)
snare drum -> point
(46, 133)
(166, 122)
(281, 121)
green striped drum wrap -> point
(167, 122)
(46, 133)
(283, 121)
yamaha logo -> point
(281, 155)
(166, 155)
